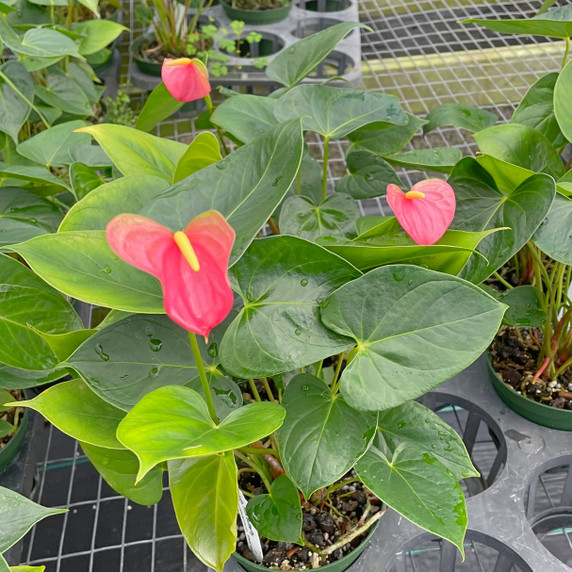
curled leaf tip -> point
(184, 244)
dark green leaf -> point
(524, 308)
(15, 378)
(226, 394)
(84, 179)
(62, 92)
(464, 116)
(438, 159)
(14, 110)
(553, 236)
(160, 105)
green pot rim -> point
(8, 453)
(544, 415)
(150, 68)
(337, 566)
(256, 17)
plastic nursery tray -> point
(343, 62)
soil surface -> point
(326, 522)
(12, 416)
(256, 5)
(153, 52)
(515, 358)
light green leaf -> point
(33, 174)
(438, 159)
(414, 328)
(136, 153)
(119, 469)
(464, 116)
(203, 151)
(97, 34)
(419, 487)
(63, 345)
(334, 112)
(160, 105)
(173, 422)
(561, 102)
(38, 42)
(282, 281)
(205, 498)
(82, 265)
(322, 437)
(74, 409)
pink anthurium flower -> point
(426, 211)
(185, 79)
(192, 265)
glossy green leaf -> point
(387, 244)
(282, 281)
(278, 515)
(418, 486)
(17, 516)
(385, 138)
(63, 345)
(553, 236)
(246, 116)
(25, 300)
(82, 265)
(202, 152)
(226, 394)
(136, 153)
(84, 179)
(142, 352)
(521, 145)
(418, 427)
(555, 23)
(14, 110)
(97, 34)
(524, 308)
(561, 102)
(119, 469)
(16, 378)
(414, 328)
(205, 498)
(273, 162)
(62, 92)
(458, 115)
(173, 422)
(334, 112)
(160, 105)
(24, 214)
(126, 194)
(74, 409)
(38, 42)
(299, 216)
(33, 174)
(537, 110)
(369, 176)
(438, 159)
(322, 436)
(481, 205)
(295, 63)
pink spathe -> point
(426, 211)
(185, 79)
(197, 300)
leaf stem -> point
(268, 390)
(257, 451)
(566, 51)
(203, 376)
(336, 381)
(360, 530)
(220, 138)
(254, 390)
(498, 277)
(325, 175)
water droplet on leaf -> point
(99, 351)
(213, 350)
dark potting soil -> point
(257, 5)
(326, 522)
(154, 52)
(12, 416)
(515, 358)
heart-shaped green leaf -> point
(419, 487)
(25, 301)
(205, 498)
(17, 515)
(119, 469)
(336, 215)
(553, 235)
(74, 409)
(438, 159)
(459, 115)
(322, 436)
(137, 153)
(417, 426)
(142, 352)
(524, 308)
(38, 42)
(414, 329)
(97, 34)
(246, 116)
(333, 112)
(95, 210)
(82, 265)
(282, 281)
(537, 110)
(482, 205)
(173, 422)
(292, 65)
(521, 145)
(369, 175)
(13, 109)
(385, 138)
(202, 152)
(25, 215)
(556, 23)
(273, 162)
(278, 515)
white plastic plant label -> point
(252, 538)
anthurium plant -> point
(295, 357)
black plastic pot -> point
(256, 17)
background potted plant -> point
(257, 12)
